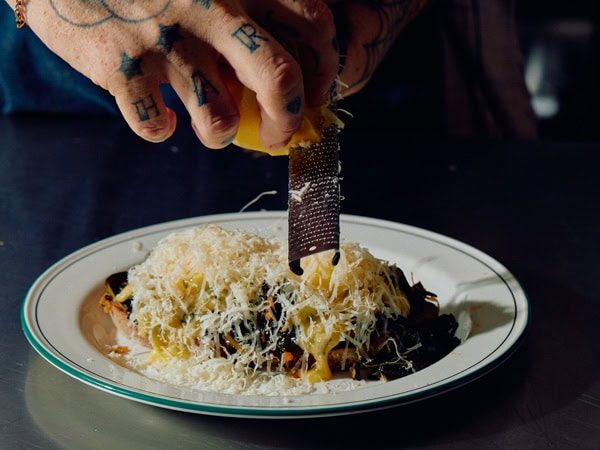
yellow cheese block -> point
(247, 136)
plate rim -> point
(256, 411)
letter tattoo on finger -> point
(248, 35)
(202, 87)
(146, 108)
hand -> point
(280, 49)
(366, 30)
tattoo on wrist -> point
(393, 16)
(202, 87)
(86, 14)
(146, 108)
(248, 36)
(168, 35)
(130, 67)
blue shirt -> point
(33, 79)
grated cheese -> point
(204, 285)
(297, 194)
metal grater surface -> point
(314, 199)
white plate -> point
(62, 321)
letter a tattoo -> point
(201, 88)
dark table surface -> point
(68, 182)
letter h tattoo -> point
(146, 108)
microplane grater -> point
(314, 198)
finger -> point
(307, 30)
(214, 114)
(137, 93)
(192, 69)
(265, 67)
(205, 95)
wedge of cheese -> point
(315, 118)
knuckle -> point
(217, 129)
(320, 15)
(284, 74)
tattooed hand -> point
(367, 30)
(284, 50)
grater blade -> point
(314, 199)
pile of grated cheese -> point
(200, 285)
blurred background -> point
(558, 43)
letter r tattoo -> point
(248, 35)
